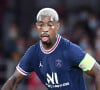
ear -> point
(36, 24)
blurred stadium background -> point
(80, 23)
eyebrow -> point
(42, 21)
(39, 22)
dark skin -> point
(95, 72)
(50, 28)
(13, 81)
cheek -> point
(52, 33)
(39, 32)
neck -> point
(51, 44)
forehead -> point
(46, 19)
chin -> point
(46, 43)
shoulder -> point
(32, 49)
(68, 44)
(65, 42)
(72, 48)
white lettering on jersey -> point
(53, 79)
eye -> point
(50, 25)
(40, 25)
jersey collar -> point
(53, 48)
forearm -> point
(97, 77)
(95, 72)
(97, 80)
(11, 84)
(98, 83)
(13, 81)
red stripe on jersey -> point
(53, 48)
(21, 70)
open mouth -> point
(44, 37)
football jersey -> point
(58, 68)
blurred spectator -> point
(93, 21)
(34, 33)
(85, 44)
(10, 41)
(20, 45)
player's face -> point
(47, 28)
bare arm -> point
(95, 72)
(13, 81)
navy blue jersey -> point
(58, 67)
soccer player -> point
(58, 62)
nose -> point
(45, 28)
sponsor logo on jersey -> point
(53, 81)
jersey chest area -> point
(54, 62)
(54, 68)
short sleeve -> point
(76, 54)
(25, 65)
